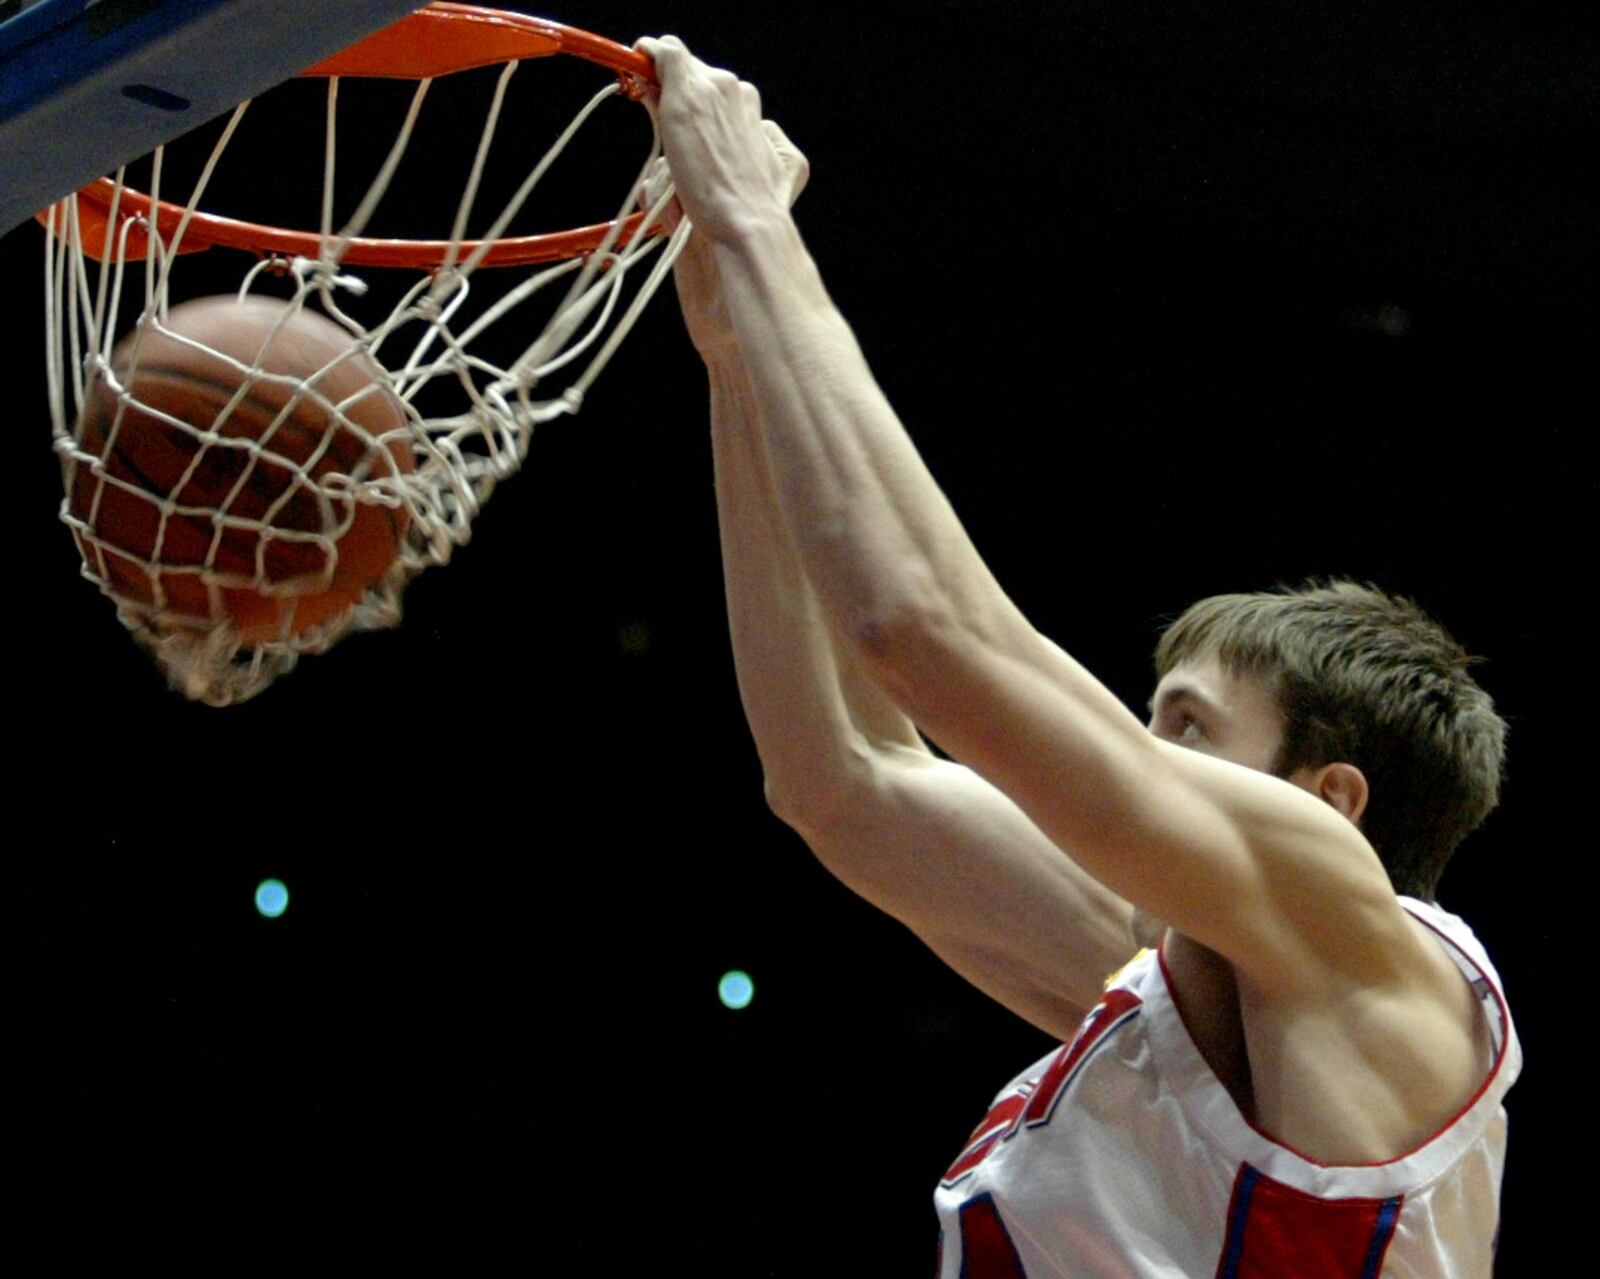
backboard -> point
(87, 85)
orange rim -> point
(439, 40)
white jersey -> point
(1121, 1156)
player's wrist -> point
(765, 261)
(753, 225)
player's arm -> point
(1251, 866)
(924, 839)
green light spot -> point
(736, 990)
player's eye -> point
(1189, 729)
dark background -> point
(1176, 299)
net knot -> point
(318, 272)
(449, 284)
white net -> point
(346, 444)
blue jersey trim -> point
(1236, 1219)
(1388, 1215)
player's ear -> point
(1344, 786)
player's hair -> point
(1368, 679)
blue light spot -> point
(736, 990)
(272, 898)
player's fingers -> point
(654, 184)
(668, 49)
(654, 188)
(669, 54)
(794, 161)
(674, 63)
(726, 84)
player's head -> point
(1364, 678)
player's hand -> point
(732, 168)
(695, 274)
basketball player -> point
(1306, 1079)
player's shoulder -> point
(1470, 964)
(1453, 934)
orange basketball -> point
(253, 521)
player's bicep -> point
(957, 862)
(1257, 869)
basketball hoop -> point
(469, 416)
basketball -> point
(225, 494)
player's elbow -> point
(915, 645)
(826, 794)
(843, 820)
(788, 800)
(809, 800)
(901, 613)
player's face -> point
(1199, 705)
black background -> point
(1175, 299)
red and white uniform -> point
(1121, 1156)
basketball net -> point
(430, 338)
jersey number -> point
(987, 1250)
(1034, 1102)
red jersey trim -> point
(1275, 1230)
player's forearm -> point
(739, 443)
(811, 719)
(893, 566)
